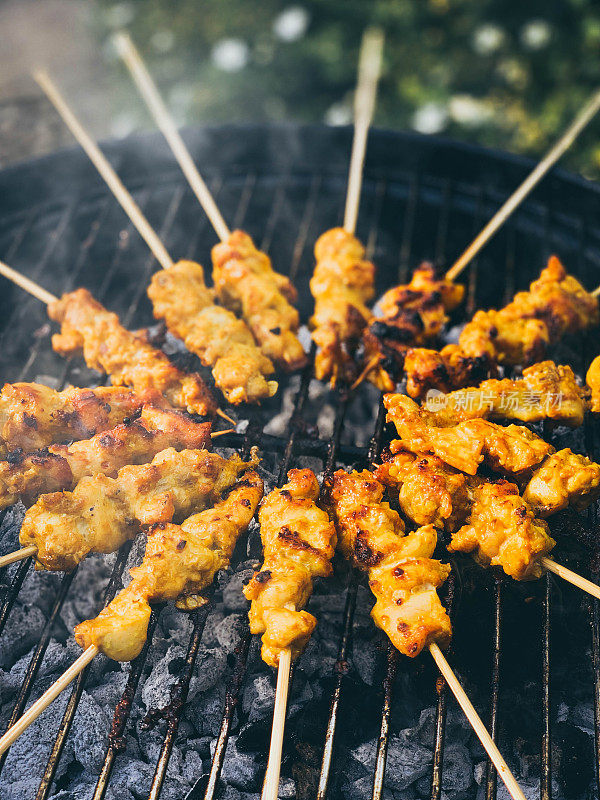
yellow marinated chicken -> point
(520, 333)
(593, 381)
(546, 391)
(512, 450)
(33, 416)
(61, 466)
(415, 313)
(246, 283)
(563, 479)
(222, 341)
(128, 358)
(402, 575)
(388, 362)
(502, 530)
(298, 542)
(180, 562)
(428, 491)
(342, 283)
(102, 513)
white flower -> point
(119, 15)
(291, 24)
(536, 34)
(163, 41)
(488, 38)
(338, 114)
(430, 118)
(467, 110)
(230, 55)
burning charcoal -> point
(86, 596)
(157, 687)
(259, 697)
(209, 636)
(233, 598)
(108, 694)
(129, 780)
(10, 527)
(210, 666)
(576, 758)
(207, 711)
(229, 631)
(22, 632)
(457, 727)
(406, 762)
(582, 715)
(89, 733)
(366, 661)
(457, 774)
(241, 770)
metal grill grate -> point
(422, 198)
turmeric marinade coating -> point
(416, 313)
(486, 518)
(246, 283)
(58, 467)
(521, 332)
(129, 360)
(221, 340)
(546, 391)
(551, 480)
(33, 416)
(593, 381)
(299, 543)
(343, 281)
(180, 562)
(402, 575)
(102, 513)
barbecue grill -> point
(523, 649)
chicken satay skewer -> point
(404, 578)
(213, 532)
(583, 118)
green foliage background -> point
(504, 73)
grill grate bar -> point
(491, 776)
(13, 591)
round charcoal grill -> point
(529, 654)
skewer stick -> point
(596, 291)
(271, 785)
(25, 283)
(476, 723)
(369, 69)
(18, 555)
(572, 577)
(585, 116)
(101, 163)
(40, 705)
(128, 52)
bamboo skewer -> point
(571, 577)
(476, 723)
(40, 705)
(128, 52)
(101, 163)
(369, 68)
(587, 113)
(596, 292)
(26, 283)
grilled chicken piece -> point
(129, 360)
(415, 313)
(61, 466)
(180, 562)
(388, 362)
(513, 450)
(428, 491)
(343, 281)
(564, 479)
(593, 381)
(102, 513)
(502, 530)
(520, 333)
(33, 416)
(546, 391)
(402, 575)
(246, 283)
(299, 543)
(180, 296)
